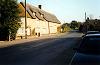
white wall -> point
(53, 27)
(39, 26)
(30, 26)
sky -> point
(68, 10)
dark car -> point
(90, 32)
(88, 52)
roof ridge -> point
(46, 15)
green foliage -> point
(74, 25)
(9, 16)
(65, 27)
(91, 25)
(59, 29)
(81, 28)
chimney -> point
(39, 6)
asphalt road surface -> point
(50, 51)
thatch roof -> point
(49, 17)
(41, 14)
(22, 11)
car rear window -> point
(90, 44)
(94, 39)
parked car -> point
(88, 52)
(90, 32)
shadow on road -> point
(50, 51)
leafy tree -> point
(79, 23)
(74, 25)
(81, 28)
(9, 18)
(65, 27)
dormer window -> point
(41, 15)
(34, 13)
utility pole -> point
(9, 35)
(25, 21)
(85, 16)
(85, 26)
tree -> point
(74, 25)
(81, 28)
(65, 27)
(9, 18)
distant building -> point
(38, 21)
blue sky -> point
(68, 10)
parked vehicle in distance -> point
(91, 32)
(88, 53)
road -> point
(50, 51)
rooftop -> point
(39, 13)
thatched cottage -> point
(38, 21)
